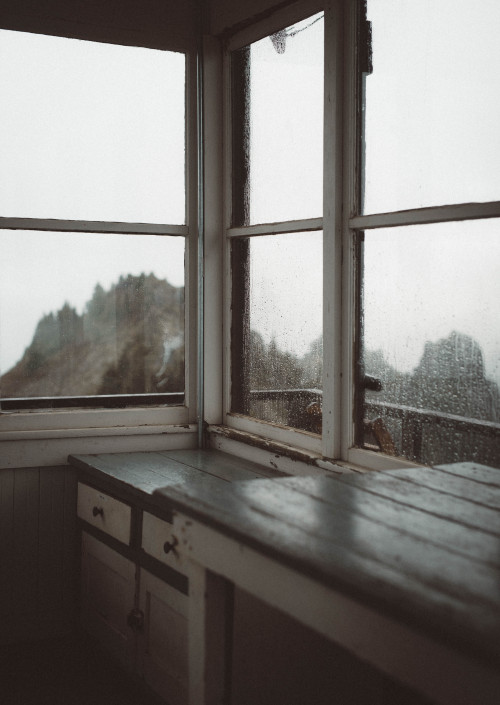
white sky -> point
(432, 116)
(82, 138)
(88, 131)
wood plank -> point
(70, 548)
(143, 472)
(6, 540)
(223, 465)
(425, 499)
(339, 521)
(473, 471)
(473, 626)
(50, 538)
(450, 484)
(25, 556)
(469, 542)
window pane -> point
(278, 105)
(277, 314)
(432, 109)
(431, 336)
(86, 314)
(90, 131)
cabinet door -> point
(108, 592)
(163, 646)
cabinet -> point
(163, 642)
(141, 596)
(127, 603)
(108, 582)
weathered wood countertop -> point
(419, 545)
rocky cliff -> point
(128, 340)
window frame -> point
(137, 417)
(342, 224)
(239, 422)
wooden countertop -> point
(419, 545)
(142, 474)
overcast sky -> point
(88, 131)
(91, 131)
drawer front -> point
(159, 541)
(104, 512)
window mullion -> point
(351, 251)
(332, 224)
(92, 226)
(424, 216)
(289, 226)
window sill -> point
(279, 456)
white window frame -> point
(239, 422)
(47, 425)
(340, 224)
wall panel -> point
(166, 24)
(37, 552)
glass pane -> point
(86, 314)
(432, 109)
(279, 154)
(279, 280)
(90, 131)
(431, 336)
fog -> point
(83, 139)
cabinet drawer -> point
(159, 541)
(104, 512)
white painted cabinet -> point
(163, 642)
(108, 593)
(134, 614)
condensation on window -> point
(277, 101)
(278, 315)
(431, 108)
(431, 341)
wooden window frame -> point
(137, 417)
(341, 225)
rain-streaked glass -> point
(282, 356)
(431, 336)
(90, 314)
(282, 113)
(432, 112)
(91, 131)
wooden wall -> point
(37, 553)
(167, 24)
(227, 15)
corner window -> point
(93, 223)
(367, 321)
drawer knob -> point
(170, 545)
(96, 511)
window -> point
(365, 330)
(94, 223)
(276, 223)
(430, 276)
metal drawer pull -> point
(97, 510)
(170, 545)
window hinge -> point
(365, 44)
